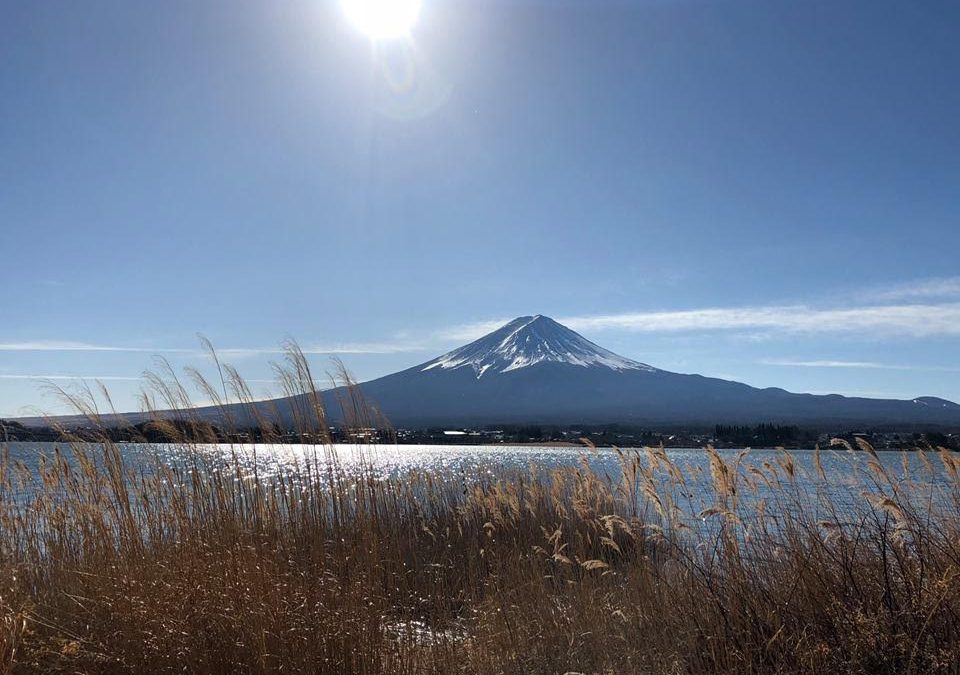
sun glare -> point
(382, 19)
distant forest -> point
(767, 435)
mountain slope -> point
(533, 369)
(527, 341)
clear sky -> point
(767, 191)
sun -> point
(382, 19)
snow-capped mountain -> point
(527, 341)
(535, 370)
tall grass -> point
(109, 565)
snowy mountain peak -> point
(529, 340)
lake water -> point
(847, 474)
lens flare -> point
(382, 19)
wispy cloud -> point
(55, 378)
(829, 364)
(935, 287)
(470, 331)
(105, 378)
(916, 320)
(757, 323)
(857, 364)
(366, 348)
(62, 346)
(234, 352)
(326, 350)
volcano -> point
(535, 370)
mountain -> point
(534, 369)
(527, 341)
(934, 402)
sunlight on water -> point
(767, 483)
(845, 470)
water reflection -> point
(846, 475)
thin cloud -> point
(829, 364)
(324, 350)
(470, 331)
(366, 348)
(935, 287)
(914, 320)
(234, 352)
(61, 346)
(755, 323)
(857, 364)
(105, 378)
(911, 320)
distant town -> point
(606, 435)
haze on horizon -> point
(756, 190)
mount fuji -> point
(527, 341)
(534, 369)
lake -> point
(847, 476)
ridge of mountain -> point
(535, 370)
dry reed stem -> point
(214, 565)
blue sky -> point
(765, 191)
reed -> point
(109, 565)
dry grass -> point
(109, 566)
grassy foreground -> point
(109, 567)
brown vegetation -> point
(110, 566)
